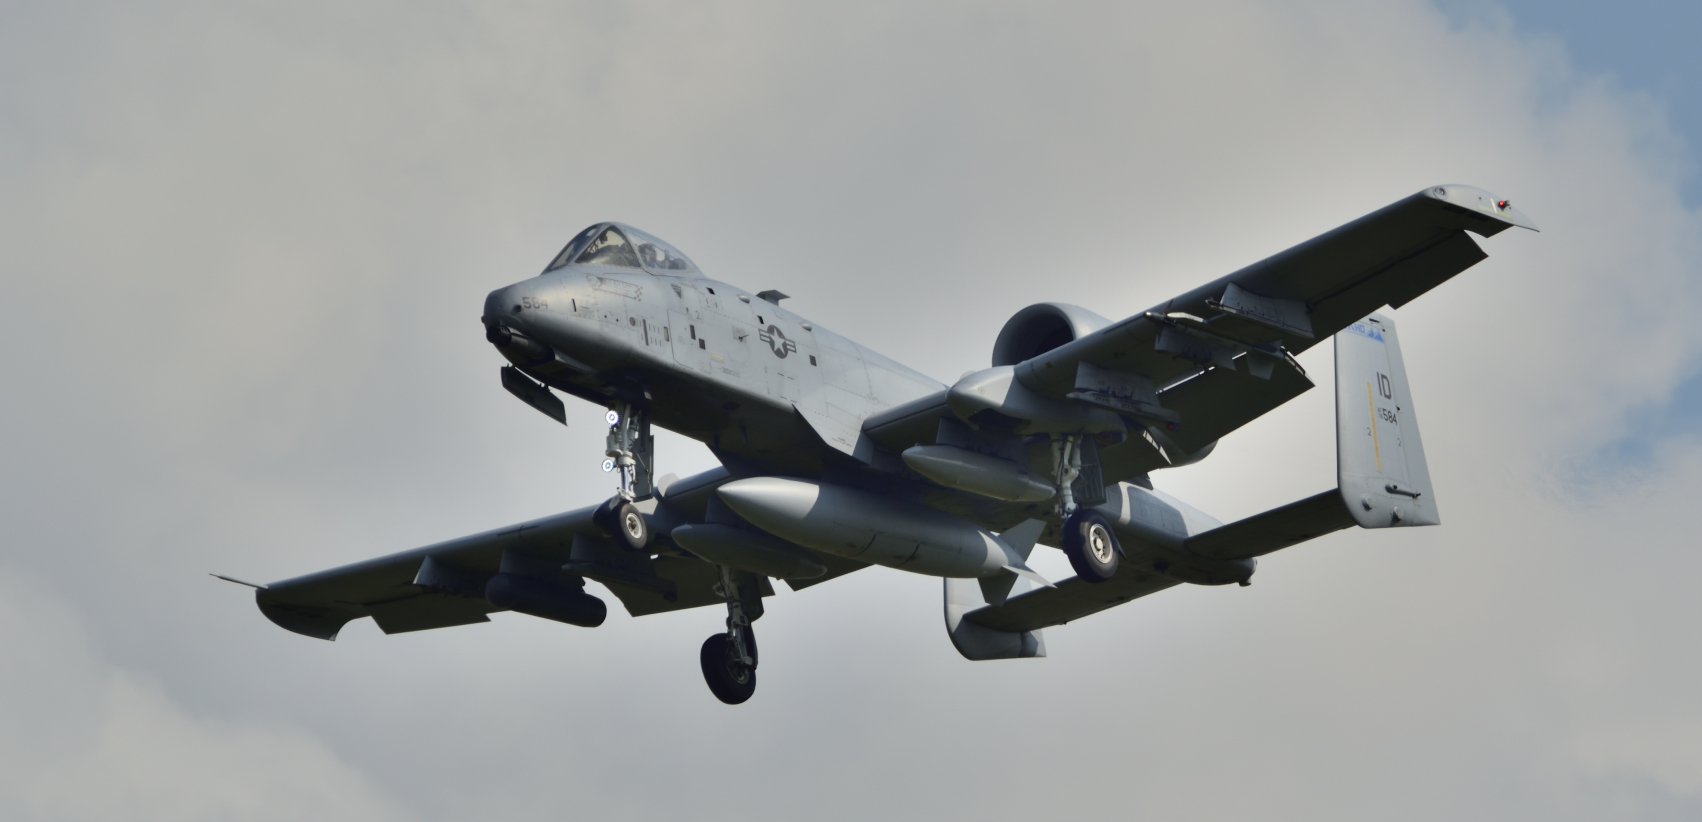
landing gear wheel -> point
(1091, 545)
(623, 521)
(633, 530)
(729, 678)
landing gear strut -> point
(1066, 460)
(631, 451)
(729, 659)
(1089, 541)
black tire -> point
(1091, 545)
(631, 529)
(623, 523)
(730, 679)
(607, 517)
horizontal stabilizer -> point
(1072, 599)
(1275, 529)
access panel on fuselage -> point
(729, 329)
(644, 301)
(789, 356)
(687, 330)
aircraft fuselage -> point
(710, 360)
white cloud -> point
(244, 252)
(81, 738)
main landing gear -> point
(729, 659)
(1089, 542)
(631, 451)
(1091, 545)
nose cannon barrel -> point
(531, 354)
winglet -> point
(1476, 199)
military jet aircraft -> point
(835, 458)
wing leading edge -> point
(447, 584)
(1213, 359)
(1219, 356)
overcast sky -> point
(244, 250)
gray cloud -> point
(244, 249)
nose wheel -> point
(622, 520)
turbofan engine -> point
(1042, 327)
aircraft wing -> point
(319, 604)
(445, 584)
(1201, 365)
(1217, 357)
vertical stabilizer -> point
(977, 642)
(1380, 458)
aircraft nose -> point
(504, 304)
(505, 309)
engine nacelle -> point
(1042, 327)
(996, 390)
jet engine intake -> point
(1042, 327)
(529, 353)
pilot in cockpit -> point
(623, 247)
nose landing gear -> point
(631, 451)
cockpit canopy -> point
(622, 246)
